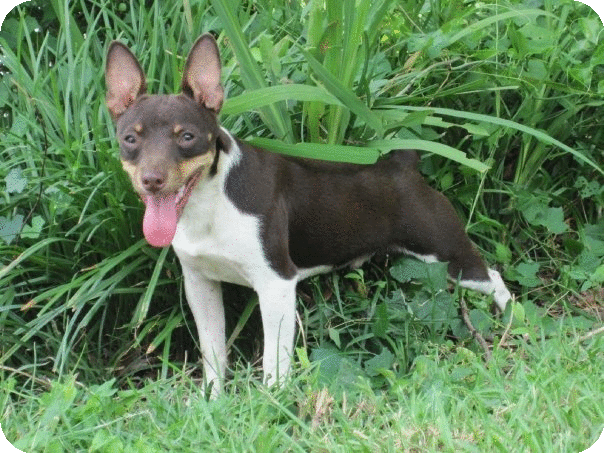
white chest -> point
(219, 241)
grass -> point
(504, 100)
(532, 398)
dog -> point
(235, 213)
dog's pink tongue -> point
(159, 222)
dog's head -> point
(168, 142)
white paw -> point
(500, 293)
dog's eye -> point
(130, 139)
(187, 137)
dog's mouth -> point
(163, 210)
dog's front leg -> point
(278, 310)
(205, 299)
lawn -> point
(536, 397)
(502, 99)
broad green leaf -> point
(388, 145)
(377, 364)
(334, 153)
(526, 274)
(381, 321)
(475, 26)
(254, 99)
(33, 231)
(10, 227)
(536, 212)
(15, 181)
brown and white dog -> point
(243, 215)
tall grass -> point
(504, 98)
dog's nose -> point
(153, 182)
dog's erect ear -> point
(201, 76)
(124, 78)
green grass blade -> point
(484, 23)
(333, 153)
(276, 116)
(345, 95)
(61, 9)
(354, 17)
(441, 149)
(143, 306)
(255, 99)
(243, 318)
(541, 136)
(5, 271)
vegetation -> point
(504, 100)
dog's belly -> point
(311, 271)
(323, 269)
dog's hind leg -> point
(494, 286)
(278, 310)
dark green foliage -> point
(505, 99)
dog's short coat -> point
(238, 214)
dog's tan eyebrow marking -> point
(138, 128)
(178, 129)
(210, 136)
